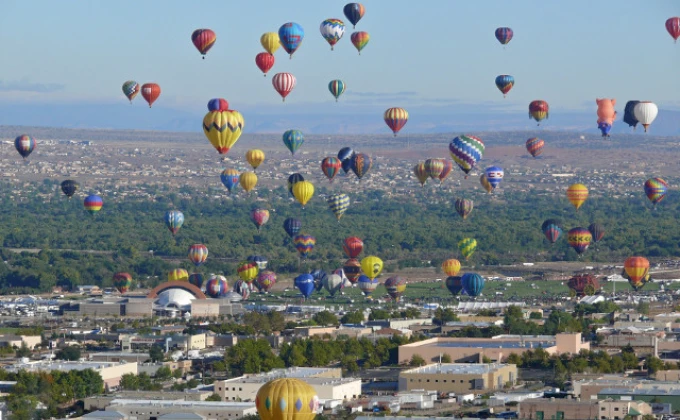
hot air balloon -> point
(645, 112)
(304, 244)
(305, 284)
(230, 178)
(371, 266)
(122, 282)
(218, 104)
(485, 183)
(345, 281)
(434, 167)
(420, 173)
(597, 231)
(673, 27)
(216, 286)
(292, 226)
(352, 246)
(330, 167)
(197, 279)
(396, 119)
(223, 127)
(535, 146)
(287, 398)
(504, 83)
(24, 144)
(264, 61)
(242, 288)
(69, 187)
(248, 181)
(583, 285)
(361, 164)
(332, 30)
(337, 88)
(577, 195)
(367, 285)
(451, 267)
(203, 40)
(464, 207)
(93, 203)
(345, 155)
(338, 203)
(637, 270)
(360, 40)
(467, 247)
(504, 35)
(629, 114)
(655, 190)
(259, 260)
(579, 238)
(538, 110)
(198, 253)
(454, 284)
(446, 169)
(551, 230)
(466, 151)
(293, 139)
(290, 36)
(151, 92)
(333, 283)
(352, 269)
(494, 174)
(178, 274)
(130, 89)
(473, 284)
(174, 219)
(270, 42)
(303, 191)
(355, 11)
(266, 280)
(255, 157)
(259, 217)
(284, 84)
(319, 277)
(247, 271)
(605, 115)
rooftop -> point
(60, 365)
(294, 372)
(457, 368)
(181, 403)
(638, 391)
(311, 381)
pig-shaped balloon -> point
(605, 110)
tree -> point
(23, 351)
(654, 364)
(446, 358)
(417, 360)
(377, 314)
(156, 353)
(442, 316)
(213, 397)
(163, 373)
(643, 308)
(535, 315)
(356, 317)
(325, 318)
(178, 373)
(68, 353)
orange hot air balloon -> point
(420, 173)
(451, 267)
(577, 195)
(538, 110)
(637, 269)
(151, 92)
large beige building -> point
(110, 372)
(169, 409)
(31, 341)
(574, 409)
(460, 378)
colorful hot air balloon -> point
(304, 244)
(485, 183)
(290, 36)
(319, 277)
(255, 157)
(287, 398)
(178, 274)
(270, 42)
(330, 167)
(293, 139)
(673, 27)
(352, 269)
(645, 112)
(538, 110)
(230, 178)
(338, 203)
(637, 269)
(218, 104)
(174, 219)
(292, 180)
(494, 174)
(122, 282)
(396, 119)
(248, 181)
(371, 266)
(535, 146)
(360, 40)
(264, 61)
(420, 173)
(69, 187)
(434, 167)
(303, 191)
(266, 280)
(243, 289)
(451, 267)
(579, 238)
(345, 155)
(463, 208)
(597, 231)
(552, 230)
(259, 217)
(655, 190)
(305, 284)
(151, 92)
(292, 226)
(361, 164)
(216, 286)
(24, 144)
(198, 254)
(473, 284)
(247, 271)
(130, 89)
(466, 151)
(93, 203)
(197, 279)
(337, 88)
(447, 167)
(203, 40)
(583, 285)
(504, 35)
(467, 247)
(504, 83)
(333, 283)
(577, 195)
(367, 285)
(352, 246)
(629, 114)
(223, 127)
(332, 30)
(283, 83)
(355, 11)
(605, 115)
(454, 284)
(259, 260)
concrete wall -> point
(549, 408)
(112, 374)
(458, 383)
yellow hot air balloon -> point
(270, 42)
(287, 399)
(577, 194)
(371, 266)
(223, 128)
(248, 181)
(485, 183)
(178, 274)
(255, 157)
(467, 247)
(303, 191)
(451, 267)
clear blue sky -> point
(429, 53)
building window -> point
(560, 415)
(240, 389)
(616, 408)
(428, 380)
(444, 380)
(539, 415)
(436, 380)
(602, 408)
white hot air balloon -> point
(645, 112)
